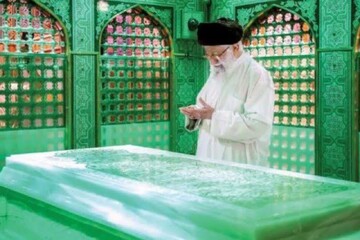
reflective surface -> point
(23, 218)
(154, 194)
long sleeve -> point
(252, 118)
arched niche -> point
(33, 79)
(135, 79)
(283, 42)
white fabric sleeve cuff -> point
(192, 124)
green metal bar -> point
(85, 53)
(342, 49)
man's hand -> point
(189, 111)
(194, 112)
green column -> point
(83, 73)
(336, 147)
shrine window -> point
(284, 44)
(32, 65)
(135, 69)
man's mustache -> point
(218, 68)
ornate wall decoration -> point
(135, 79)
(104, 16)
(283, 43)
(306, 8)
(244, 15)
(184, 66)
(249, 2)
(335, 142)
(33, 79)
(84, 102)
(336, 24)
(356, 19)
(189, 76)
(248, 9)
(32, 66)
(163, 14)
(221, 8)
(61, 8)
(334, 123)
(188, 82)
(334, 96)
(336, 160)
(336, 145)
(81, 27)
(84, 74)
(335, 66)
(181, 4)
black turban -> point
(218, 33)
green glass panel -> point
(293, 149)
(153, 134)
(24, 141)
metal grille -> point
(32, 63)
(283, 43)
(134, 70)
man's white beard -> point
(217, 69)
(222, 67)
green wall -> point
(334, 23)
(83, 21)
(187, 78)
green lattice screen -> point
(283, 43)
(292, 149)
(32, 63)
(135, 75)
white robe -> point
(241, 124)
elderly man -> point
(234, 109)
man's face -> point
(220, 57)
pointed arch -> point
(32, 62)
(135, 50)
(247, 15)
(33, 79)
(284, 43)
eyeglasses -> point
(215, 55)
